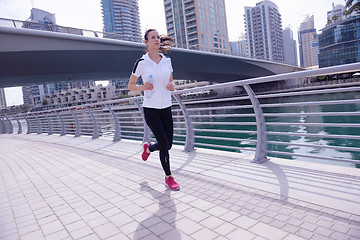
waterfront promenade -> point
(54, 187)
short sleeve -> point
(170, 66)
(138, 69)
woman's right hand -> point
(148, 86)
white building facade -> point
(238, 48)
(263, 27)
(81, 96)
(198, 24)
(336, 13)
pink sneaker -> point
(145, 154)
(171, 183)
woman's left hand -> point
(170, 87)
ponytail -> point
(166, 42)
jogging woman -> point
(156, 72)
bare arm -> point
(136, 88)
(171, 86)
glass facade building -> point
(121, 17)
(340, 43)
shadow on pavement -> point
(164, 226)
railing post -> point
(190, 134)
(1, 126)
(62, 133)
(147, 131)
(27, 124)
(95, 134)
(117, 129)
(19, 125)
(39, 124)
(77, 131)
(261, 144)
(11, 129)
(50, 125)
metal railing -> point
(304, 123)
(69, 30)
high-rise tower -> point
(290, 53)
(263, 27)
(198, 24)
(121, 17)
(308, 43)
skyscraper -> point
(263, 27)
(339, 41)
(238, 48)
(2, 98)
(121, 17)
(197, 24)
(308, 43)
(290, 53)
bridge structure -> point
(77, 173)
(31, 56)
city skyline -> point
(152, 15)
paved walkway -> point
(54, 187)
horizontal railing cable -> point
(309, 92)
(224, 138)
(314, 156)
(305, 114)
(314, 124)
(315, 135)
(316, 103)
(353, 149)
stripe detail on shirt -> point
(136, 64)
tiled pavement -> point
(54, 187)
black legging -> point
(161, 124)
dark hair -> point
(147, 33)
(165, 41)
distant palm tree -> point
(335, 17)
(357, 8)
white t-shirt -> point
(145, 67)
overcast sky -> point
(86, 14)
